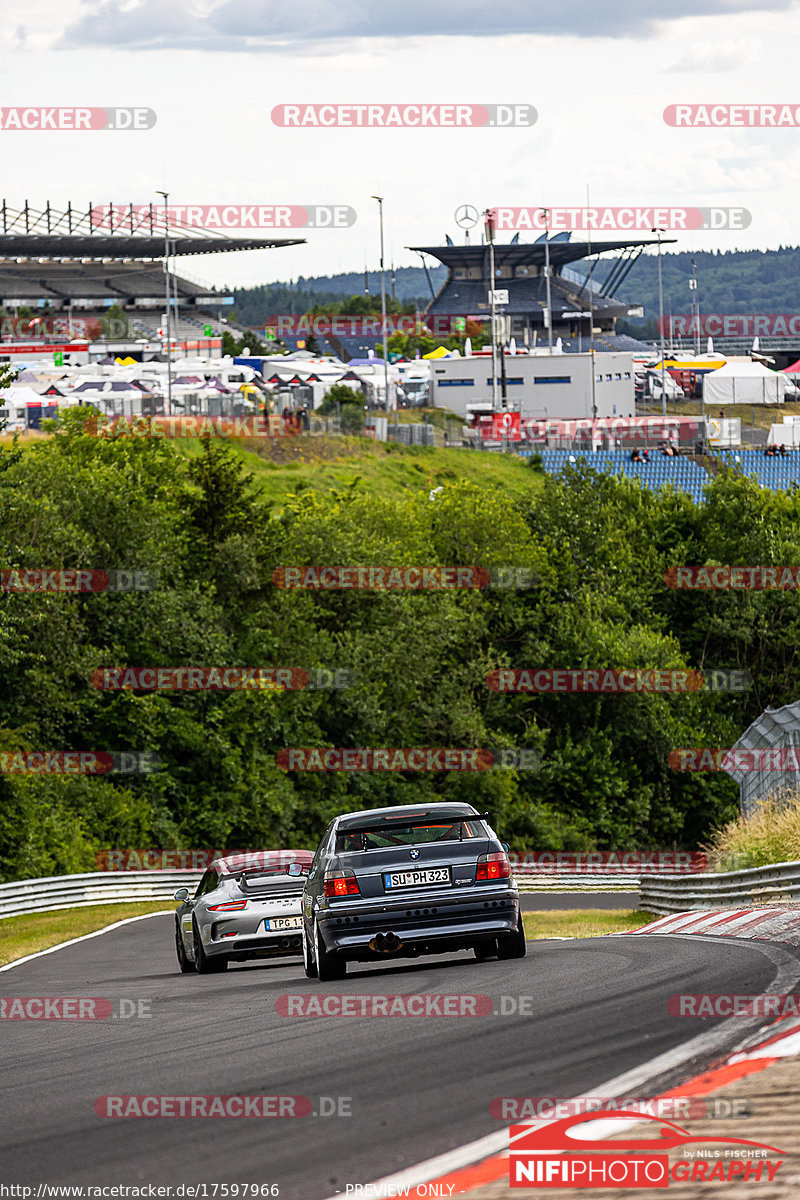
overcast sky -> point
(599, 76)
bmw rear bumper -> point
(431, 926)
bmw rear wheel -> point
(329, 966)
(309, 965)
(513, 946)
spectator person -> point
(782, 450)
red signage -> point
(500, 425)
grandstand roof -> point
(519, 254)
(74, 233)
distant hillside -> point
(745, 281)
(410, 284)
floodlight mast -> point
(383, 315)
(167, 293)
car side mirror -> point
(294, 869)
(181, 894)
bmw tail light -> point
(340, 883)
(230, 906)
(492, 866)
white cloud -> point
(242, 25)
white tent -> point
(741, 382)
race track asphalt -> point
(416, 1086)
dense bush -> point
(599, 548)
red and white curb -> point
(754, 924)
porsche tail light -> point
(230, 906)
(492, 866)
(340, 883)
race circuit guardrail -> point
(96, 887)
(530, 878)
(117, 887)
(779, 883)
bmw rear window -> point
(384, 834)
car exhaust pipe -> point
(286, 943)
(386, 943)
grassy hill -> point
(291, 465)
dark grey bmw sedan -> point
(400, 882)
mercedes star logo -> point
(467, 216)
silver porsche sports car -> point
(245, 906)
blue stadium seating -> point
(682, 473)
(778, 474)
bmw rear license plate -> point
(282, 923)
(411, 879)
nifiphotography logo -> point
(553, 1156)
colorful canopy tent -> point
(707, 363)
(743, 383)
(440, 352)
(792, 369)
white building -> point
(538, 385)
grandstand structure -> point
(580, 306)
(68, 265)
(779, 474)
(682, 473)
